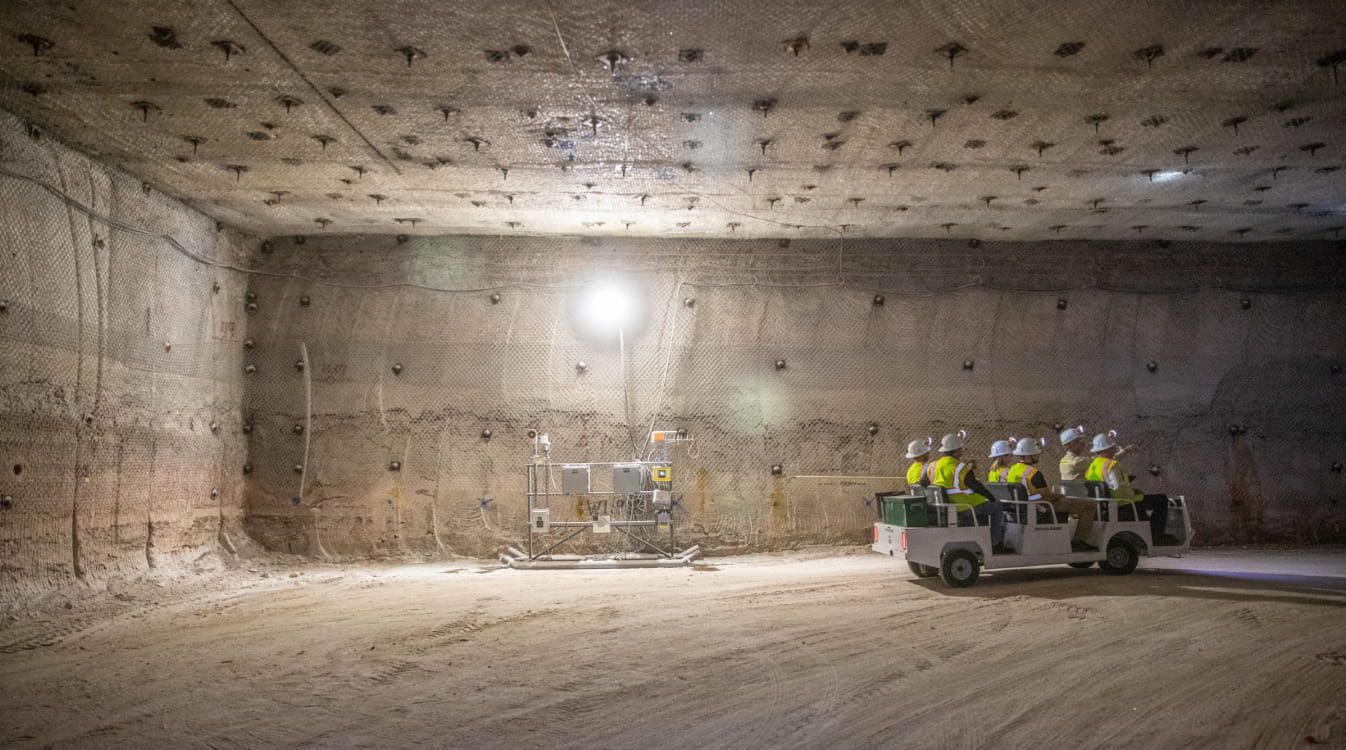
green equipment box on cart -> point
(905, 510)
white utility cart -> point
(923, 529)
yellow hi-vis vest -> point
(1098, 472)
(949, 473)
(1023, 474)
(998, 475)
(914, 473)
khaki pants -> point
(1082, 509)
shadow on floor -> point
(1066, 583)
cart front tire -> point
(960, 569)
(1123, 556)
(922, 571)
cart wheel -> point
(922, 571)
(1081, 566)
(960, 569)
(1122, 557)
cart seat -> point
(936, 494)
(1081, 488)
(1015, 492)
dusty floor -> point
(1220, 649)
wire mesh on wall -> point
(153, 359)
(821, 357)
(119, 373)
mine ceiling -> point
(992, 119)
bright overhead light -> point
(1168, 176)
(608, 306)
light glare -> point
(608, 306)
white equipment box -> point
(603, 525)
(575, 479)
(541, 519)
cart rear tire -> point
(1081, 566)
(959, 569)
(922, 571)
(1123, 556)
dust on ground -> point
(845, 650)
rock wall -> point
(167, 383)
(1221, 361)
(120, 374)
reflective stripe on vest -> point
(948, 472)
(1023, 473)
(1098, 471)
(914, 472)
(959, 472)
(998, 475)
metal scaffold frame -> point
(651, 507)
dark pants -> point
(1151, 507)
(988, 513)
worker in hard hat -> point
(1076, 460)
(917, 450)
(1000, 461)
(1105, 468)
(1025, 472)
(963, 487)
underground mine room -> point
(597, 374)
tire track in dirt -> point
(835, 653)
(391, 673)
(472, 623)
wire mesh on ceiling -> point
(988, 119)
(135, 387)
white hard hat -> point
(918, 447)
(1027, 447)
(1072, 434)
(1104, 441)
(952, 441)
(1000, 448)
